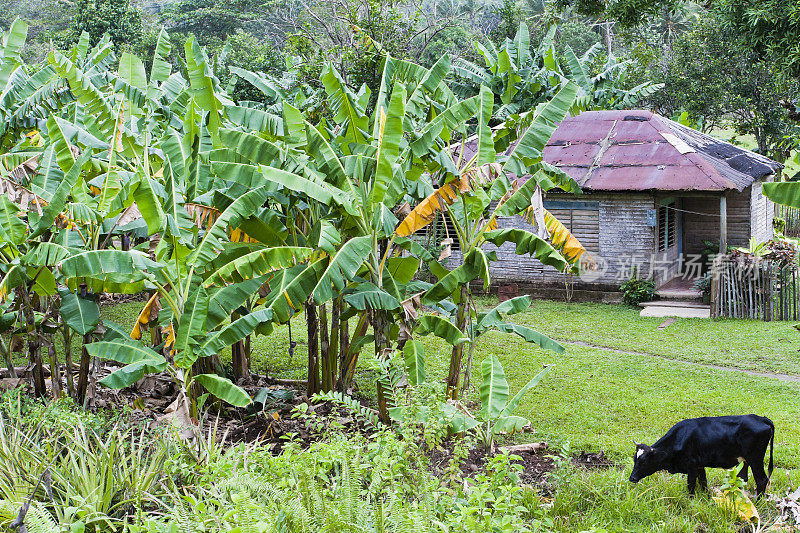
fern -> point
(37, 519)
(347, 401)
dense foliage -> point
(238, 164)
(637, 290)
(108, 475)
(234, 216)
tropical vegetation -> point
(235, 169)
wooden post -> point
(714, 296)
(723, 224)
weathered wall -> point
(739, 217)
(763, 211)
(614, 229)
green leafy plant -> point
(497, 416)
(92, 481)
(352, 404)
(636, 290)
(703, 284)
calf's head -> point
(646, 461)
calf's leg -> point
(691, 479)
(760, 476)
(702, 478)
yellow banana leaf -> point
(204, 216)
(169, 338)
(145, 316)
(563, 240)
(35, 138)
(426, 210)
(24, 198)
(738, 502)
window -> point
(442, 228)
(582, 219)
(667, 222)
(450, 231)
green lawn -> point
(747, 344)
(597, 399)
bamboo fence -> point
(759, 290)
(792, 217)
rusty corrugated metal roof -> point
(639, 150)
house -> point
(654, 194)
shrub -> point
(637, 290)
(703, 285)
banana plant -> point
(522, 76)
(496, 416)
(198, 289)
(786, 192)
(33, 241)
(467, 199)
(607, 89)
(353, 173)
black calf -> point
(693, 445)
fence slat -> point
(761, 291)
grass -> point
(744, 344)
(604, 500)
(596, 399)
(746, 141)
(600, 399)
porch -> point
(689, 230)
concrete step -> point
(679, 294)
(675, 303)
(680, 312)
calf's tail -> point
(771, 443)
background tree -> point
(719, 83)
(342, 32)
(627, 13)
(770, 29)
(214, 19)
(117, 18)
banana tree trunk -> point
(350, 355)
(344, 348)
(83, 371)
(241, 368)
(312, 325)
(66, 333)
(35, 356)
(86, 359)
(324, 348)
(8, 358)
(380, 329)
(330, 363)
(34, 345)
(55, 371)
(468, 368)
(457, 354)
